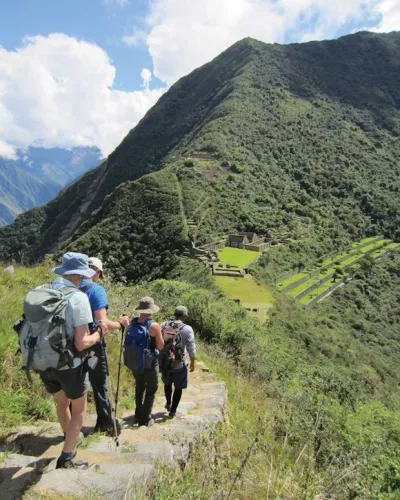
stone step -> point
(115, 469)
(109, 480)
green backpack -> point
(43, 338)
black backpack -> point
(172, 355)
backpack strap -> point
(29, 362)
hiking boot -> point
(168, 406)
(149, 423)
(172, 414)
(111, 431)
(108, 428)
(70, 463)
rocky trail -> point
(28, 457)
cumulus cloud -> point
(389, 14)
(180, 38)
(57, 91)
(7, 151)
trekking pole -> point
(113, 419)
(111, 405)
(119, 370)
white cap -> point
(95, 262)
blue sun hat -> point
(75, 263)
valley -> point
(262, 192)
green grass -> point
(268, 472)
(16, 405)
(325, 286)
(327, 262)
(248, 291)
(245, 289)
(354, 258)
(304, 300)
(391, 246)
(237, 256)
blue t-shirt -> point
(97, 296)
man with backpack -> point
(142, 345)
(54, 336)
(98, 375)
(178, 340)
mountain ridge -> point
(294, 132)
(38, 174)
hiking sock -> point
(168, 393)
(175, 400)
(66, 456)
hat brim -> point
(87, 273)
(150, 310)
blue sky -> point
(84, 72)
(92, 20)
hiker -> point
(56, 349)
(98, 375)
(142, 345)
(178, 340)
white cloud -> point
(146, 77)
(118, 3)
(389, 11)
(57, 91)
(181, 38)
(7, 151)
(136, 38)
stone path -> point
(27, 461)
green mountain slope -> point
(301, 139)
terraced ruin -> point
(313, 285)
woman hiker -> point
(142, 345)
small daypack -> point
(172, 355)
(43, 338)
(137, 353)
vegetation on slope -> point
(337, 258)
(340, 269)
(325, 384)
(302, 141)
(142, 222)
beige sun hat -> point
(146, 306)
(97, 265)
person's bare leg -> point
(75, 424)
(63, 411)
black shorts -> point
(73, 381)
(178, 377)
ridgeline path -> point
(27, 465)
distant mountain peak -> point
(37, 175)
(304, 140)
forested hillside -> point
(297, 139)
